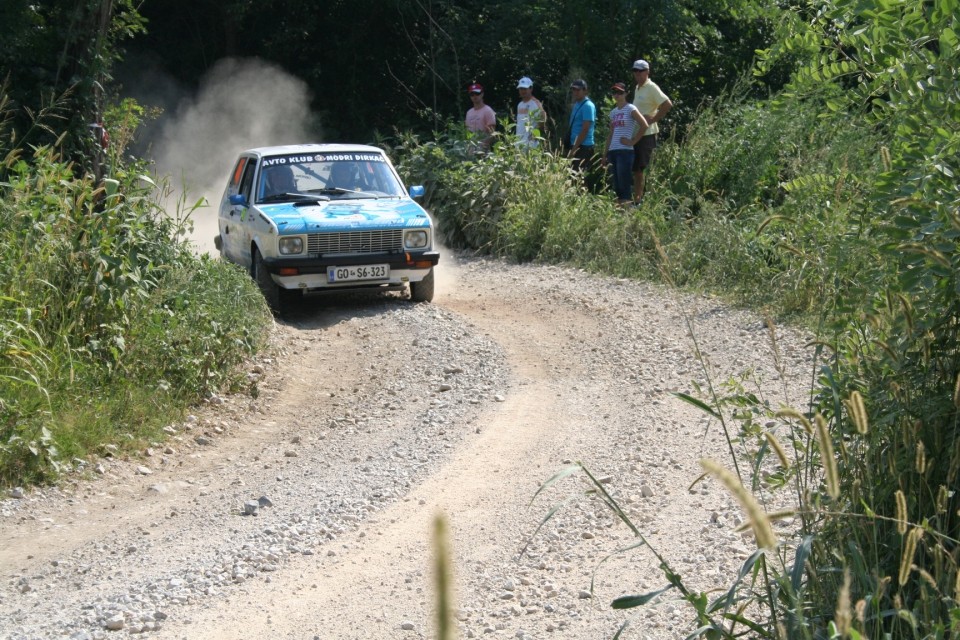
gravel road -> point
(304, 509)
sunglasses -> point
(618, 92)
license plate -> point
(359, 272)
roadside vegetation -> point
(110, 326)
(834, 203)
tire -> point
(422, 291)
(278, 298)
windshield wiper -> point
(341, 191)
(296, 197)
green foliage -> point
(109, 325)
(511, 202)
(57, 58)
(419, 57)
(896, 63)
(743, 205)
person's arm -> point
(491, 121)
(581, 136)
(541, 122)
(640, 120)
(606, 146)
(661, 112)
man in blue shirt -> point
(583, 118)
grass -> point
(109, 326)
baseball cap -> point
(619, 86)
(641, 65)
(578, 84)
(525, 83)
(475, 88)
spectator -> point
(627, 126)
(531, 117)
(583, 117)
(480, 119)
(654, 105)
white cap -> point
(525, 83)
(641, 65)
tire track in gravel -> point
(378, 578)
(357, 393)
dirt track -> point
(374, 415)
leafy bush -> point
(109, 325)
(511, 202)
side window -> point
(238, 172)
(246, 185)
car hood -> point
(345, 215)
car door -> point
(235, 212)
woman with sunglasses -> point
(626, 127)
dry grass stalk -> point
(443, 580)
(921, 461)
(901, 512)
(831, 473)
(844, 614)
(956, 586)
(759, 521)
(858, 412)
(954, 464)
(943, 497)
(799, 417)
(956, 392)
(777, 449)
(909, 551)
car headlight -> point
(416, 239)
(291, 245)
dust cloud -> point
(241, 104)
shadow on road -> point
(319, 311)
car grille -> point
(356, 242)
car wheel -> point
(422, 291)
(278, 298)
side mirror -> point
(417, 191)
(238, 199)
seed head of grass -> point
(909, 551)
(901, 512)
(921, 461)
(799, 417)
(844, 614)
(777, 449)
(759, 520)
(831, 473)
(858, 412)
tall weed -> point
(109, 325)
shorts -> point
(643, 151)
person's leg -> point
(589, 167)
(615, 158)
(642, 154)
(621, 161)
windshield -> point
(333, 175)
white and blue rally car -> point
(316, 217)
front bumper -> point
(401, 261)
(310, 274)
